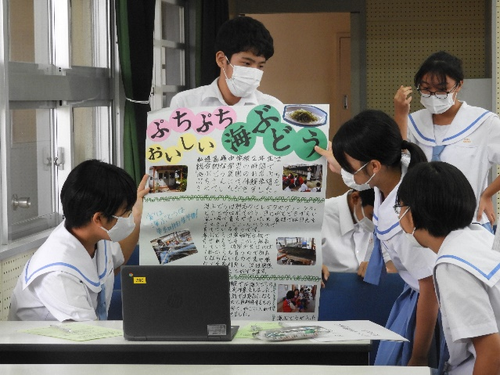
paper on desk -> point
(353, 330)
(75, 332)
(246, 331)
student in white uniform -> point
(368, 151)
(71, 276)
(436, 205)
(347, 232)
(243, 47)
(451, 130)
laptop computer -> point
(174, 303)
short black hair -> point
(367, 197)
(244, 34)
(440, 65)
(440, 197)
(372, 135)
(290, 294)
(95, 186)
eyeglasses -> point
(425, 93)
(361, 167)
(397, 208)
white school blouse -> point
(61, 281)
(344, 243)
(472, 142)
(467, 276)
(210, 96)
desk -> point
(23, 348)
(207, 370)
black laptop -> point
(176, 303)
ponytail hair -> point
(416, 153)
(372, 135)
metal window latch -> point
(23, 202)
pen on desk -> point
(67, 330)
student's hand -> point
(128, 244)
(390, 267)
(402, 101)
(325, 274)
(142, 190)
(486, 206)
(328, 154)
(362, 269)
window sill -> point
(23, 245)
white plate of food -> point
(304, 115)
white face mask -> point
(437, 106)
(365, 223)
(244, 80)
(122, 229)
(349, 181)
(411, 239)
(409, 236)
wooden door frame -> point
(357, 10)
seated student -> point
(243, 45)
(71, 276)
(436, 205)
(347, 232)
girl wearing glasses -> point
(437, 205)
(451, 130)
(368, 151)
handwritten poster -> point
(242, 187)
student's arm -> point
(325, 274)
(485, 202)
(402, 101)
(487, 354)
(328, 154)
(129, 243)
(427, 311)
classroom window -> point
(172, 67)
(56, 104)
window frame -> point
(40, 85)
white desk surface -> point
(208, 370)
(10, 334)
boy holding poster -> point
(243, 46)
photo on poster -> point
(296, 298)
(302, 178)
(174, 246)
(296, 251)
(168, 178)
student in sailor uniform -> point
(451, 130)
(71, 276)
(436, 205)
(368, 151)
(243, 46)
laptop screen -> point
(181, 302)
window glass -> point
(172, 26)
(89, 46)
(32, 172)
(21, 24)
(173, 65)
(84, 134)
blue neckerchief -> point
(376, 266)
(436, 152)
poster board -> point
(240, 186)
